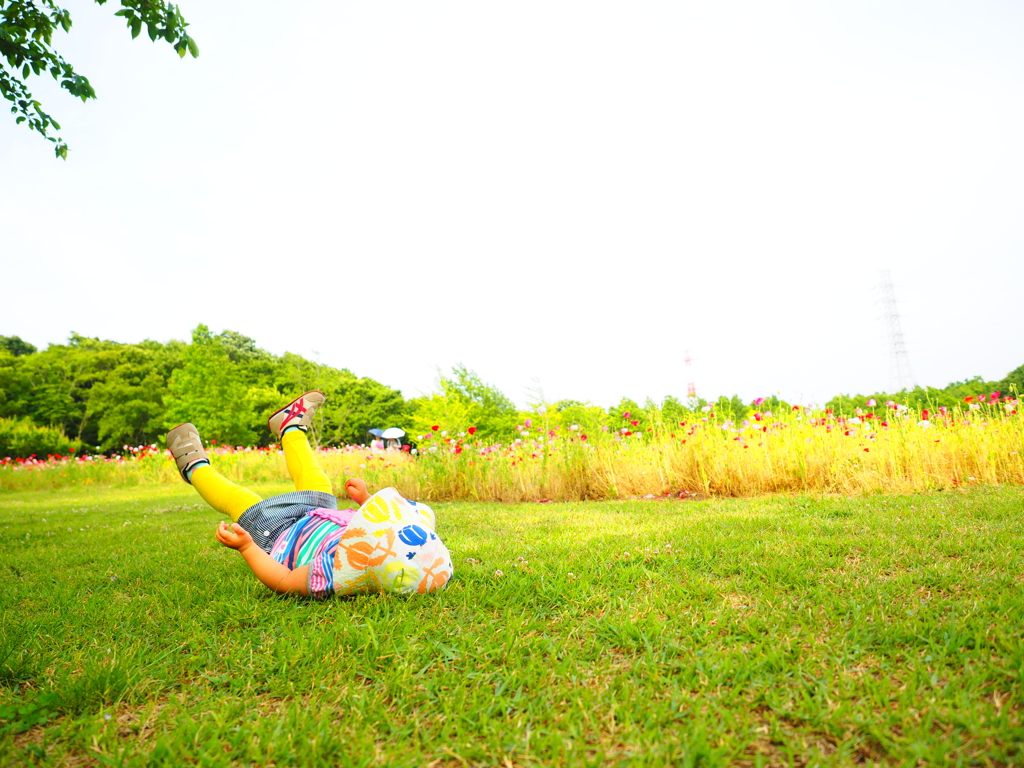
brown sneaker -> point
(186, 447)
(298, 413)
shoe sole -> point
(300, 397)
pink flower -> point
(758, 401)
(625, 415)
(871, 403)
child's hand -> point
(356, 490)
(234, 537)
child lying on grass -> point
(301, 542)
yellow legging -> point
(224, 496)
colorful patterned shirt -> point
(313, 541)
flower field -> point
(881, 448)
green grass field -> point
(772, 631)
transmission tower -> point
(691, 388)
(900, 374)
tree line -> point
(96, 395)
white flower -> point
(706, 409)
(574, 427)
(924, 424)
(498, 573)
(854, 420)
(444, 433)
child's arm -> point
(272, 573)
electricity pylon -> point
(900, 375)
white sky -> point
(569, 193)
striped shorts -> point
(268, 519)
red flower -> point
(625, 415)
(472, 430)
(627, 433)
(635, 423)
(583, 437)
(436, 427)
(682, 423)
(405, 448)
(994, 396)
(969, 399)
(924, 415)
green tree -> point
(52, 387)
(16, 346)
(1013, 383)
(26, 49)
(128, 405)
(673, 411)
(465, 401)
(210, 391)
(589, 418)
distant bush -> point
(21, 438)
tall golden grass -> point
(893, 450)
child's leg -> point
(302, 464)
(220, 493)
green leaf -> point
(192, 47)
(25, 70)
(136, 27)
(153, 31)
